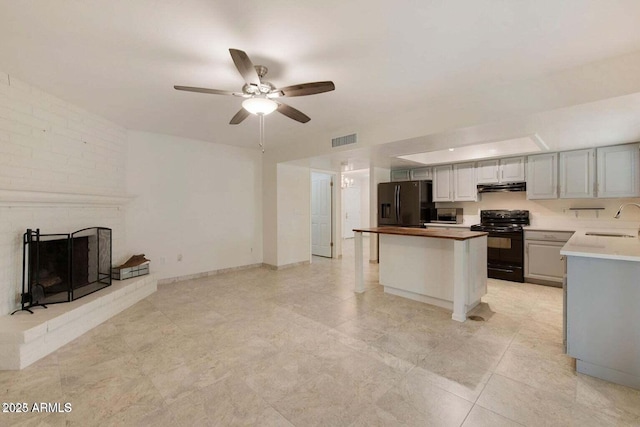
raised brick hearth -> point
(26, 338)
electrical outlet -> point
(163, 260)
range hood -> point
(501, 188)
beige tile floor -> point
(298, 347)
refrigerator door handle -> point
(397, 204)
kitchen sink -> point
(595, 233)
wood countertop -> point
(424, 232)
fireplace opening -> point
(65, 267)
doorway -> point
(350, 211)
(355, 201)
(321, 195)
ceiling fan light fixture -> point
(259, 105)
(259, 93)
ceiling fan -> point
(262, 97)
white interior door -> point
(350, 211)
(321, 214)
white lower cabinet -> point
(603, 318)
(543, 262)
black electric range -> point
(505, 242)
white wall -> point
(50, 146)
(293, 214)
(196, 199)
(270, 213)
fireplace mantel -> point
(22, 198)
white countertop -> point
(549, 228)
(616, 248)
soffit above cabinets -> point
(510, 147)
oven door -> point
(505, 256)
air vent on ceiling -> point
(344, 140)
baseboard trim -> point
(543, 282)
(169, 280)
(285, 266)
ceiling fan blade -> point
(245, 67)
(292, 113)
(239, 117)
(204, 90)
(307, 88)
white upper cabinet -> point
(542, 176)
(442, 183)
(577, 174)
(400, 175)
(488, 171)
(454, 183)
(612, 172)
(501, 170)
(464, 183)
(421, 174)
(512, 169)
(618, 171)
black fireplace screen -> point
(65, 267)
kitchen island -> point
(602, 304)
(447, 268)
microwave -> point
(449, 215)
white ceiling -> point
(121, 58)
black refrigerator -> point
(405, 203)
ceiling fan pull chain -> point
(261, 131)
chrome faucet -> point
(623, 206)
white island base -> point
(446, 269)
(426, 270)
